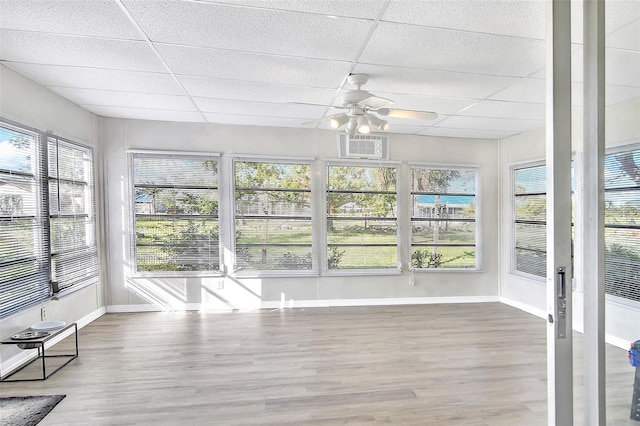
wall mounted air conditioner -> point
(371, 147)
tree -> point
(434, 181)
(271, 189)
(151, 191)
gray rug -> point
(26, 410)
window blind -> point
(72, 213)
(362, 226)
(273, 226)
(443, 218)
(622, 224)
(24, 250)
(175, 203)
(530, 229)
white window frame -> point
(478, 216)
(132, 214)
(230, 241)
(43, 216)
(635, 146)
(92, 217)
(512, 214)
(397, 270)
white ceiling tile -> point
(250, 29)
(489, 123)
(41, 48)
(450, 50)
(622, 67)
(98, 78)
(145, 114)
(126, 99)
(228, 106)
(255, 91)
(467, 133)
(444, 84)
(530, 90)
(96, 18)
(613, 94)
(248, 120)
(505, 109)
(352, 8)
(627, 37)
(619, 13)
(505, 17)
(217, 63)
(617, 94)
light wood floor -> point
(472, 364)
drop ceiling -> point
(478, 63)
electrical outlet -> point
(220, 285)
(43, 313)
(412, 281)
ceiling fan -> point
(361, 108)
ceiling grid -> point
(478, 64)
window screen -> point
(175, 201)
(362, 226)
(273, 227)
(24, 268)
(443, 218)
(530, 229)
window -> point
(72, 215)
(530, 229)
(175, 203)
(47, 218)
(443, 218)
(24, 264)
(622, 224)
(273, 227)
(362, 227)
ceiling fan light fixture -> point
(364, 126)
(352, 126)
(379, 124)
(339, 120)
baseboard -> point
(577, 326)
(618, 342)
(111, 309)
(524, 307)
(287, 304)
(413, 301)
(23, 357)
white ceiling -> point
(478, 63)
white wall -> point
(30, 104)
(125, 291)
(622, 126)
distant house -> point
(144, 202)
(350, 208)
(448, 207)
(12, 199)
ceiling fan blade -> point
(322, 105)
(406, 113)
(374, 102)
